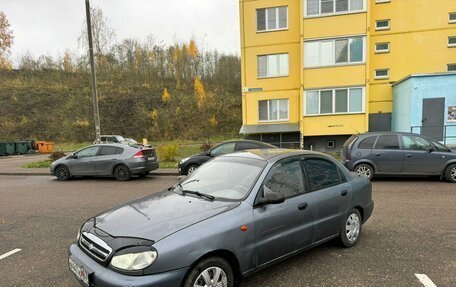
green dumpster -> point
(10, 148)
(2, 148)
(31, 146)
(21, 147)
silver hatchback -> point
(118, 160)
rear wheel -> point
(450, 173)
(62, 173)
(365, 170)
(122, 173)
(350, 230)
(213, 272)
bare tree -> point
(103, 34)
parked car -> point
(111, 139)
(233, 216)
(388, 153)
(131, 141)
(118, 160)
(190, 164)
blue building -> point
(426, 104)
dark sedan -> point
(190, 164)
(233, 216)
(118, 160)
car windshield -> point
(120, 139)
(225, 178)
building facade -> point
(315, 72)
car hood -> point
(158, 216)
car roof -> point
(114, 145)
(248, 141)
(271, 155)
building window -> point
(272, 19)
(452, 17)
(341, 51)
(452, 41)
(382, 74)
(382, 25)
(328, 7)
(382, 48)
(451, 67)
(335, 101)
(273, 110)
(270, 66)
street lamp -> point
(94, 77)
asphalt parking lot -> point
(412, 231)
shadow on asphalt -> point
(408, 179)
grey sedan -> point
(233, 216)
(118, 160)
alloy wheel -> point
(211, 277)
(191, 169)
(62, 173)
(453, 173)
(352, 227)
(364, 171)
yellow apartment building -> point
(315, 72)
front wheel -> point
(450, 173)
(191, 169)
(213, 271)
(62, 173)
(350, 230)
(122, 173)
(365, 170)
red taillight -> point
(139, 154)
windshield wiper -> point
(200, 194)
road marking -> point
(9, 253)
(426, 281)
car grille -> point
(95, 246)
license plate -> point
(80, 272)
(151, 158)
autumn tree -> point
(103, 34)
(166, 96)
(6, 41)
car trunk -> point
(345, 154)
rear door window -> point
(321, 173)
(387, 142)
(367, 143)
(108, 150)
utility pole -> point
(94, 77)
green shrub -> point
(168, 152)
(56, 155)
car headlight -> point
(134, 261)
(184, 160)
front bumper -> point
(103, 277)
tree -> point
(166, 96)
(6, 41)
(200, 93)
(102, 33)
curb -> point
(162, 173)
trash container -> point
(50, 146)
(31, 146)
(10, 148)
(2, 148)
(41, 146)
(21, 147)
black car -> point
(394, 153)
(189, 164)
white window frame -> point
(277, 19)
(451, 45)
(451, 21)
(382, 1)
(382, 28)
(334, 63)
(278, 66)
(377, 51)
(278, 111)
(334, 9)
(333, 90)
(382, 77)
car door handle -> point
(409, 155)
(302, 206)
(377, 154)
(344, 192)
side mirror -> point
(272, 197)
(73, 156)
(431, 149)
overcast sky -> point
(51, 26)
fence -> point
(449, 133)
